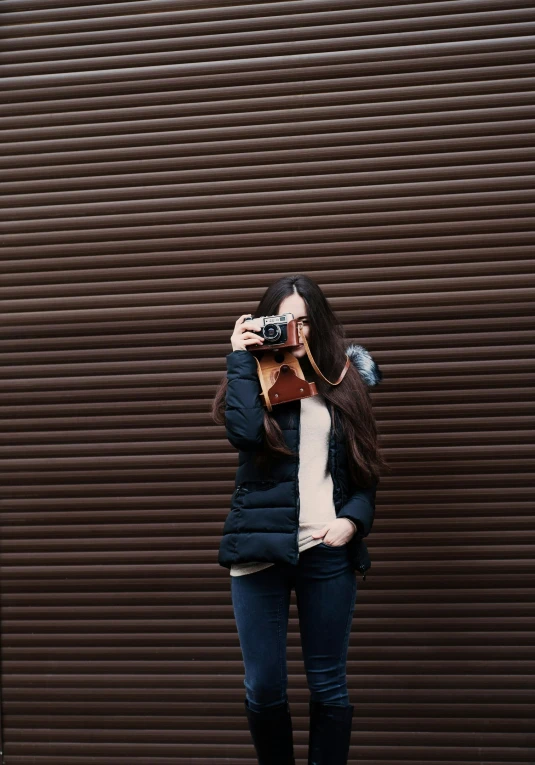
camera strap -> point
(309, 354)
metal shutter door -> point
(162, 162)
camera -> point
(278, 331)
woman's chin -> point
(299, 352)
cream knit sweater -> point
(315, 481)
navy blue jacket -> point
(263, 522)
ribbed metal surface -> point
(161, 163)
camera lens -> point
(272, 332)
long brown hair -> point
(350, 398)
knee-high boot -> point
(329, 733)
(271, 731)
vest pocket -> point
(248, 487)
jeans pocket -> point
(332, 547)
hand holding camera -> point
(244, 336)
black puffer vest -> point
(263, 522)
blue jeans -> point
(325, 588)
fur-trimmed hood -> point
(364, 362)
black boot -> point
(271, 730)
(329, 733)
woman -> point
(303, 503)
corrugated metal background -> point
(161, 164)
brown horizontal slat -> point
(147, 91)
(36, 10)
(281, 109)
(49, 112)
(307, 18)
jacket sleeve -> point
(244, 412)
(360, 508)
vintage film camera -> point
(278, 331)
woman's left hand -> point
(339, 532)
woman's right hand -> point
(242, 337)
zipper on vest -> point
(297, 482)
(241, 489)
(331, 458)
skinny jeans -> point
(326, 588)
